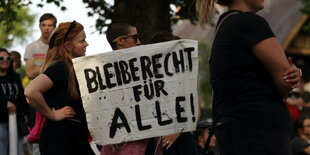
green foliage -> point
(306, 7)
(104, 11)
(206, 113)
(56, 2)
(205, 91)
(306, 10)
(21, 71)
(16, 22)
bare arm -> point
(271, 55)
(34, 93)
(32, 71)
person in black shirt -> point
(12, 101)
(55, 94)
(249, 76)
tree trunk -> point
(149, 16)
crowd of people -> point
(251, 78)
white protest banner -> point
(140, 92)
(13, 134)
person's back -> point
(240, 77)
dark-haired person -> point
(300, 144)
(16, 60)
(55, 94)
(201, 135)
(122, 35)
(250, 75)
(12, 101)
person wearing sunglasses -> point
(55, 94)
(122, 35)
(12, 101)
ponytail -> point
(205, 10)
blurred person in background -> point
(34, 57)
(201, 136)
(16, 60)
(35, 51)
(300, 143)
(294, 103)
(12, 101)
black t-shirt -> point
(185, 139)
(298, 145)
(58, 97)
(12, 90)
(243, 88)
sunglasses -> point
(5, 58)
(72, 25)
(135, 37)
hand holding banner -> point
(140, 92)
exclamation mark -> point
(192, 107)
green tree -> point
(16, 22)
(205, 91)
(306, 10)
(149, 16)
